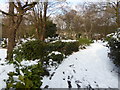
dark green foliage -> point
(66, 48)
(71, 47)
(57, 46)
(57, 57)
(31, 78)
(50, 29)
(108, 38)
(44, 52)
(31, 50)
(114, 44)
(115, 51)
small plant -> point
(84, 41)
(26, 76)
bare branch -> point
(7, 13)
(31, 4)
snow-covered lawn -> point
(88, 67)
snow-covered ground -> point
(87, 68)
(4, 68)
(90, 67)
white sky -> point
(3, 4)
(73, 0)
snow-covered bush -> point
(71, 47)
(3, 43)
(26, 76)
(39, 50)
(114, 44)
(66, 48)
(47, 53)
(31, 50)
(56, 57)
(31, 76)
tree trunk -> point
(14, 23)
(11, 43)
(43, 20)
(42, 34)
(118, 14)
(12, 36)
(10, 31)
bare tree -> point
(41, 13)
(116, 6)
(15, 19)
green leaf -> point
(21, 78)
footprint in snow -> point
(97, 85)
(69, 84)
(52, 75)
(94, 81)
(63, 78)
(71, 65)
(74, 71)
(2, 64)
(89, 86)
(78, 86)
(77, 81)
(46, 86)
(69, 78)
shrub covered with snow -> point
(47, 54)
(114, 44)
(31, 50)
(3, 43)
(71, 47)
(66, 48)
(26, 76)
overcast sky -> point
(3, 4)
(73, 0)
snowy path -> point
(87, 68)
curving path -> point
(89, 68)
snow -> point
(29, 63)
(89, 67)
(69, 40)
(54, 52)
(4, 68)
